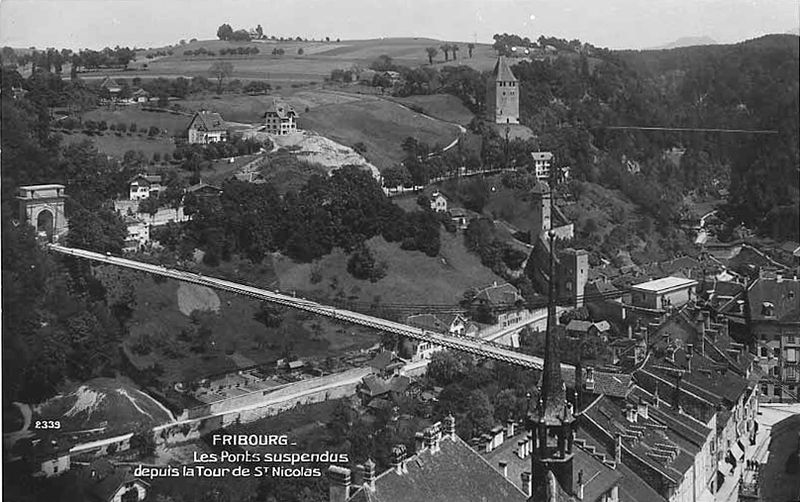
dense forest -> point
(570, 101)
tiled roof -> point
(646, 438)
(150, 178)
(382, 360)
(576, 325)
(210, 120)
(502, 72)
(598, 477)
(202, 185)
(378, 386)
(606, 383)
(455, 473)
(665, 284)
(632, 488)
(279, 108)
(436, 322)
(784, 295)
(501, 295)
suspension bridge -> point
(470, 345)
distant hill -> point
(687, 42)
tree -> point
(300, 51)
(470, 48)
(220, 70)
(260, 32)
(225, 32)
(446, 49)
(432, 52)
(455, 49)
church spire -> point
(553, 394)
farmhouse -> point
(142, 186)
(138, 233)
(203, 189)
(207, 127)
(140, 96)
(112, 87)
(280, 118)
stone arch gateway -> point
(42, 207)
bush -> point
(153, 131)
(132, 127)
(362, 265)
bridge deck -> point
(470, 345)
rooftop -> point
(502, 72)
(665, 284)
(431, 477)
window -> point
(776, 352)
(767, 309)
(791, 355)
(791, 373)
(763, 352)
(764, 390)
(776, 371)
(777, 391)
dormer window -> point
(767, 309)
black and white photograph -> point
(400, 250)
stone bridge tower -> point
(42, 207)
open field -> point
(317, 62)
(412, 277)
(441, 106)
(380, 125)
(172, 122)
(116, 146)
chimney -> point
(526, 483)
(369, 474)
(430, 440)
(630, 332)
(677, 400)
(528, 444)
(339, 489)
(450, 426)
(589, 383)
(618, 450)
(503, 468)
(398, 460)
(510, 426)
(641, 409)
(630, 413)
(521, 448)
(580, 484)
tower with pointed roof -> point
(502, 96)
(552, 422)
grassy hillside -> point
(442, 106)
(412, 278)
(160, 333)
(379, 124)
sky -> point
(616, 24)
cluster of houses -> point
(114, 91)
(280, 119)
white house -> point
(280, 118)
(207, 127)
(438, 202)
(142, 186)
(138, 233)
(541, 164)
